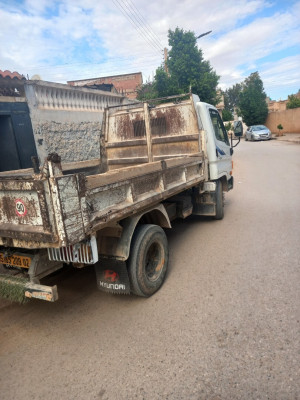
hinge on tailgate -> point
(84, 252)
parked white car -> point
(258, 132)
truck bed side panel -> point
(25, 206)
(172, 131)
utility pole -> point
(166, 58)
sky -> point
(74, 39)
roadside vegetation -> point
(185, 70)
(293, 102)
(248, 100)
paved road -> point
(225, 325)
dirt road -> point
(225, 325)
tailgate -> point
(25, 206)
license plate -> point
(15, 260)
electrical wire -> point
(138, 16)
(137, 26)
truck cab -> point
(219, 150)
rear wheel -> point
(148, 261)
(219, 201)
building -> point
(221, 105)
(38, 118)
(278, 114)
(280, 105)
(11, 84)
(126, 85)
(16, 136)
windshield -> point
(258, 128)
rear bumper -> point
(261, 138)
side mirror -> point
(238, 128)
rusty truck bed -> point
(61, 210)
(148, 154)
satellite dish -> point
(36, 77)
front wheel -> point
(148, 261)
(219, 201)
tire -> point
(246, 139)
(219, 201)
(148, 261)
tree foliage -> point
(227, 115)
(279, 127)
(293, 102)
(187, 70)
(252, 101)
(231, 97)
(228, 127)
(147, 91)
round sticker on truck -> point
(20, 208)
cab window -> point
(218, 125)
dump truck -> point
(160, 160)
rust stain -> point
(124, 127)
(175, 122)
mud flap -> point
(112, 276)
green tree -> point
(166, 84)
(187, 70)
(162, 86)
(147, 91)
(279, 127)
(227, 115)
(293, 102)
(232, 96)
(252, 100)
(229, 128)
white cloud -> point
(285, 72)
(242, 48)
(51, 46)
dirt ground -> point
(225, 324)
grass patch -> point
(13, 288)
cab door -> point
(223, 163)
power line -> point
(142, 20)
(137, 26)
(137, 23)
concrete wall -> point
(289, 119)
(67, 120)
(277, 105)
